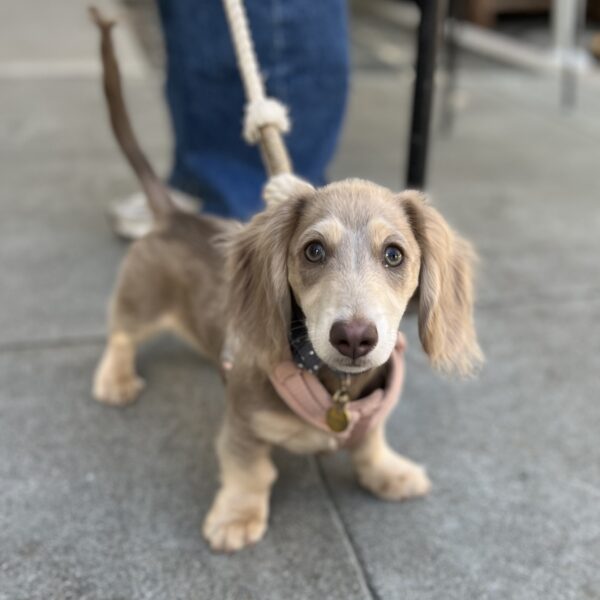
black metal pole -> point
(427, 45)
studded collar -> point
(301, 348)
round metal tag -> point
(337, 418)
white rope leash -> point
(260, 110)
(265, 118)
(244, 48)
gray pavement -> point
(107, 504)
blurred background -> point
(99, 503)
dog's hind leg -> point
(116, 381)
(140, 309)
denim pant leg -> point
(302, 48)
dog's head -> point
(352, 254)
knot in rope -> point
(261, 112)
(283, 187)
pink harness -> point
(306, 396)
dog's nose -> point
(353, 338)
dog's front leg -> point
(384, 472)
(239, 513)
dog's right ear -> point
(259, 304)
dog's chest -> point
(292, 433)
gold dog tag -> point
(337, 416)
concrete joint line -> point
(355, 555)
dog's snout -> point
(353, 338)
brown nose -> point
(353, 338)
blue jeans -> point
(302, 47)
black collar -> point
(302, 350)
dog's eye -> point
(393, 256)
(315, 252)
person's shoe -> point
(131, 218)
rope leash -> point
(266, 119)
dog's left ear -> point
(259, 302)
(446, 326)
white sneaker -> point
(131, 218)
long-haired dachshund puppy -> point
(312, 291)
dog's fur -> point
(179, 278)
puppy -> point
(341, 263)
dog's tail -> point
(158, 197)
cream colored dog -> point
(350, 256)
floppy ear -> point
(259, 303)
(445, 290)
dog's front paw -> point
(235, 522)
(116, 389)
(394, 478)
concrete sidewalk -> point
(107, 504)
